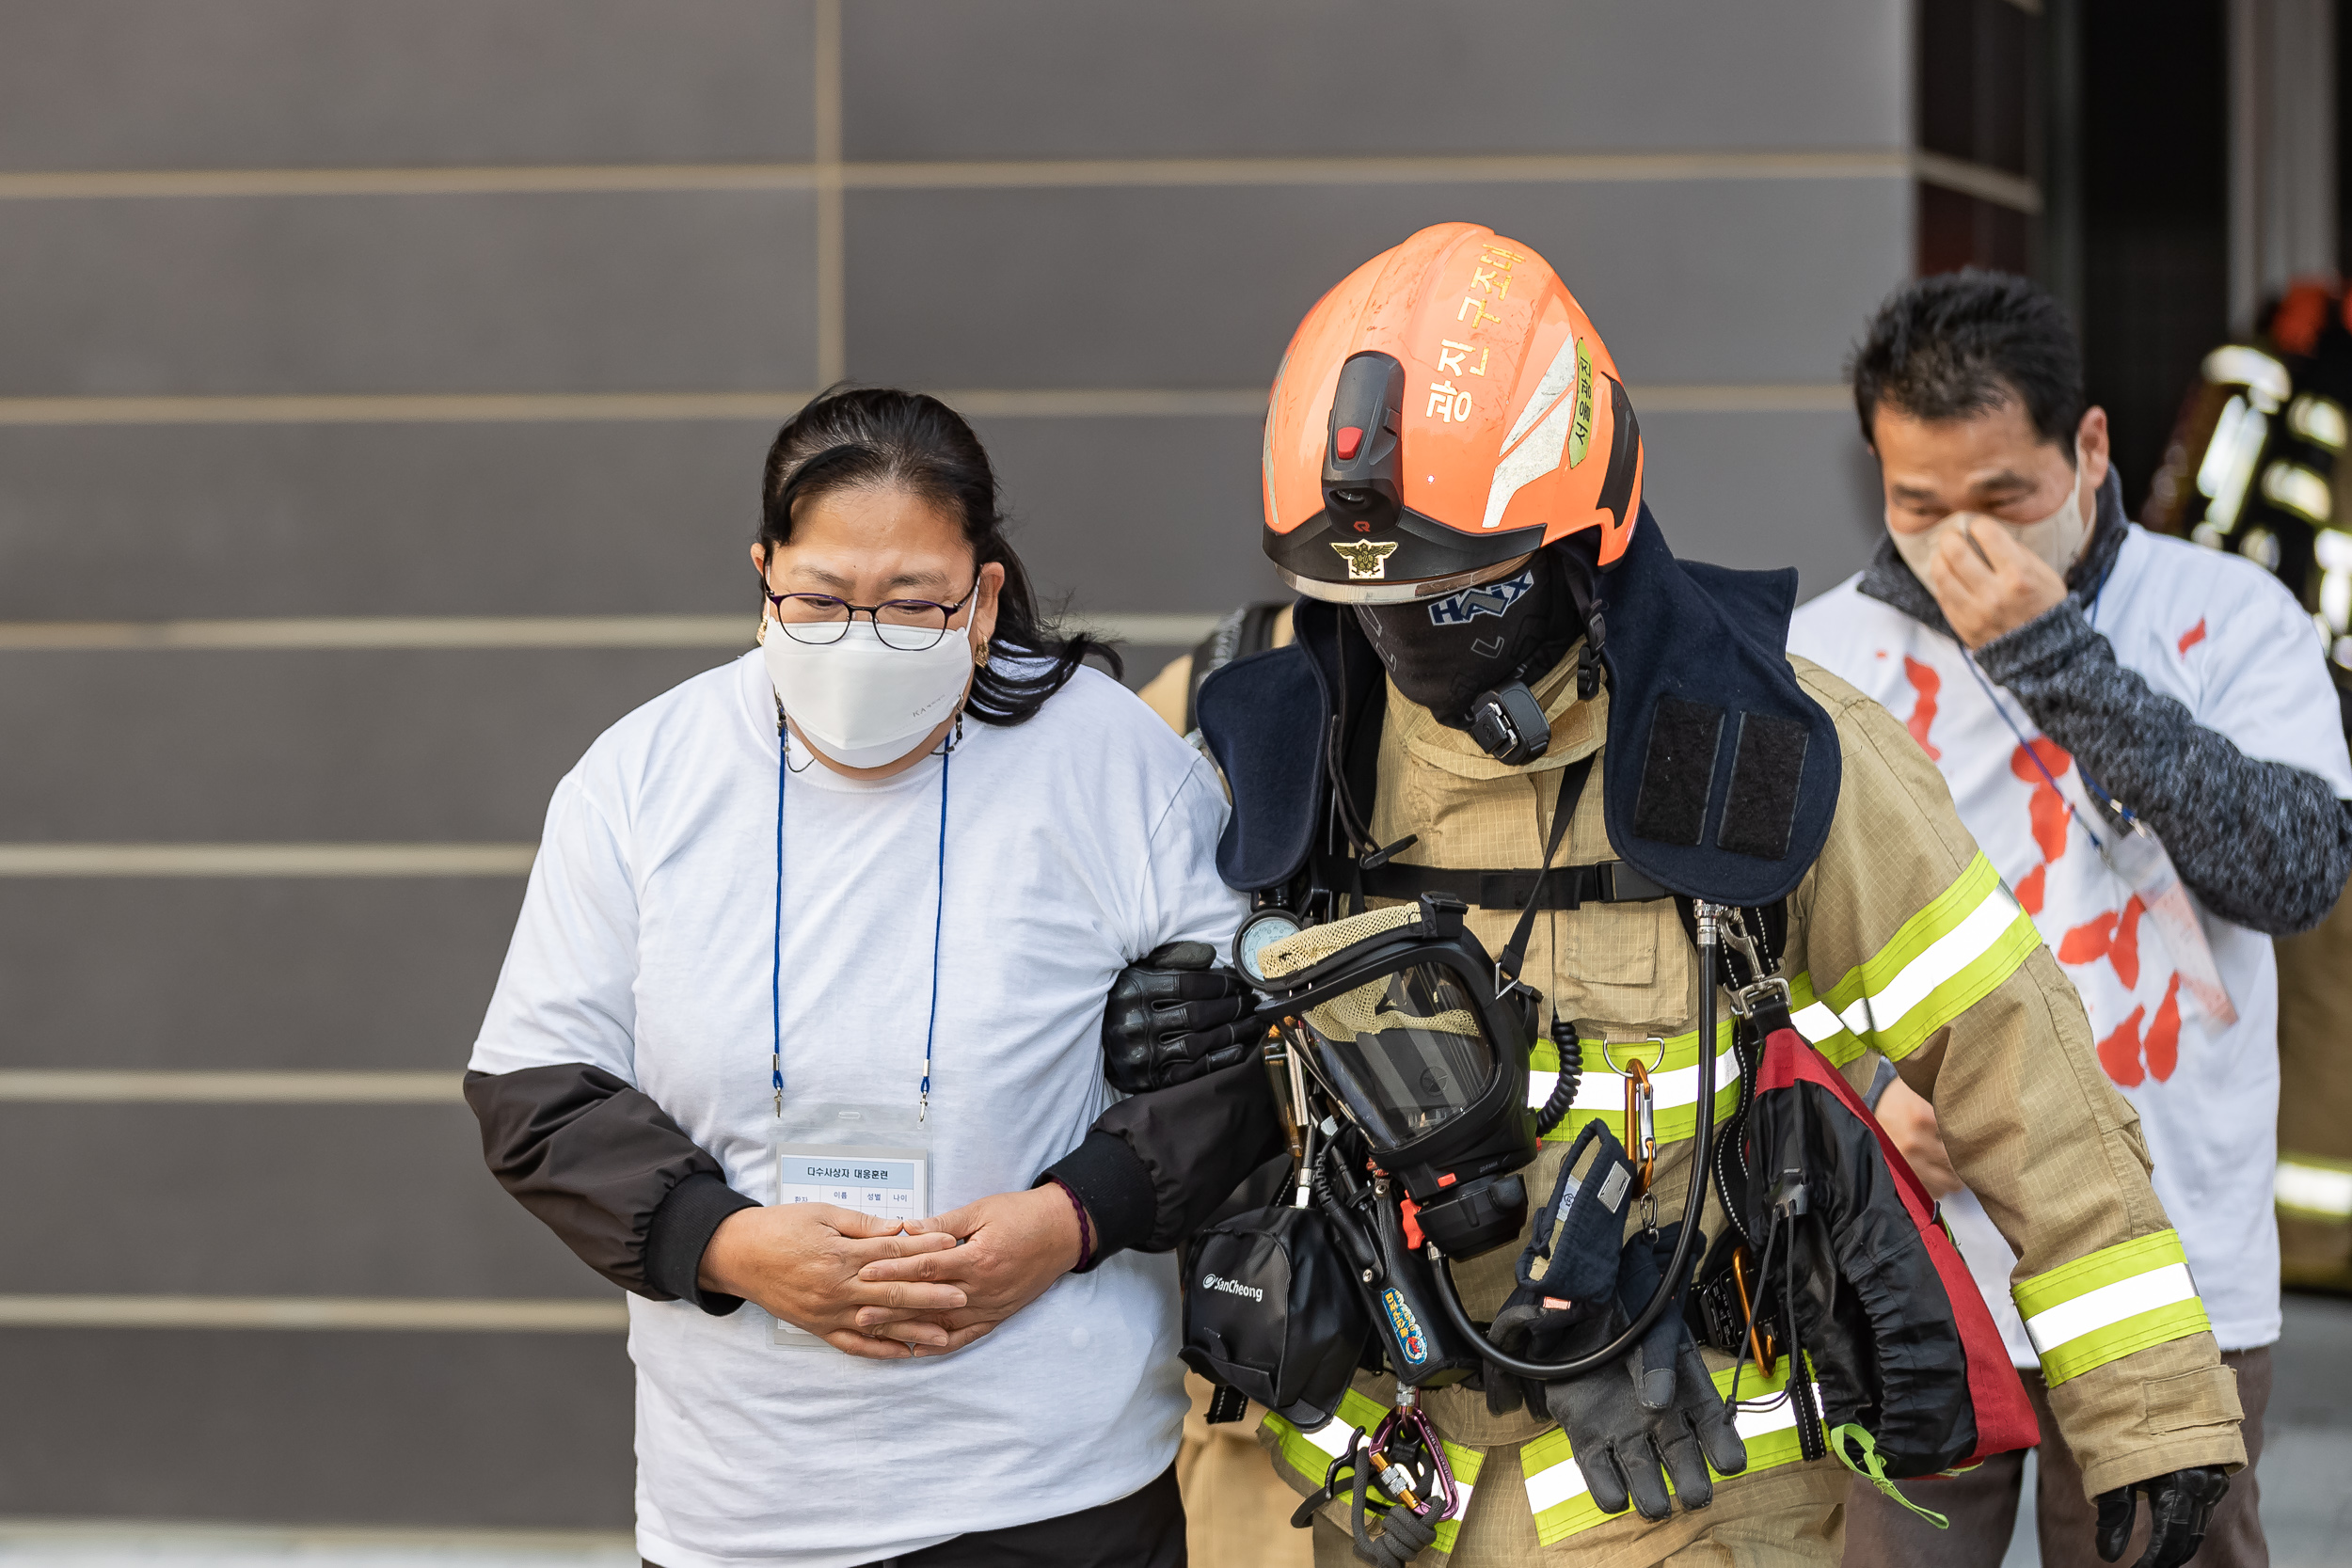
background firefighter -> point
(1511, 549)
(2258, 467)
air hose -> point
(1677, 1269)
(1562, 1096)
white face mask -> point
(2057, 538)
(861, 702)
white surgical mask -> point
(2057, 538)
(861, 702)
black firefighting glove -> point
(1574, 1257)
(1639, 1275)
(1656, 1410)
(1172, 1018)
(2180, 1506)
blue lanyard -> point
(2026, 746)
(775, 972)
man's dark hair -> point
(1958, 343)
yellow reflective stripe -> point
(2312, 1187)
(1600, 1095)
(1940, 962)
(1310, 1453)
(1556, 1493)
(2103, 1306)
(1465, 1464)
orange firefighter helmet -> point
(1444, 412)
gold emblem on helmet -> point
(1366, 557)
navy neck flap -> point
(1722, 775)
(1719, 778)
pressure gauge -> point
(1256, 933)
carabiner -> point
(1395, 1479)
(1640, 1120)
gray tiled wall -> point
(1708, 281)
(523, 1431)
(602, 291)
(982, 276)
(338, 83)
(943, 79)
(253, 974)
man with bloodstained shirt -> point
(2142, 736)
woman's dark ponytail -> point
(849, 437)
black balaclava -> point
(1444, 652)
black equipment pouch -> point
(1273, 1311)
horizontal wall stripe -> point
(479, 631)
(366, 631)
(78, 1086)
(2001, 188)
(265, 859)
(495, 180)
(308, 1312)
(1508, 169)
(980, 402)
(518, 180)
(153, 1539)
(401, 408)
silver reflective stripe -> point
(1560, 1482)
(2108, 1306)
(2315, 1189)
(1332, 1436)
(1601, 1089)
(1945, 957)
(1816, 1024)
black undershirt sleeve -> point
(1155, 1166)
(608, 1171)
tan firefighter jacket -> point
(1901, 942)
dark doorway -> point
(2154, 136)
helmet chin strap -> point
(1507, 721)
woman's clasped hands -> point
(887, 1288)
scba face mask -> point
(861, 702)
(2058, 539)
(1398, 1013)
(1444, 652)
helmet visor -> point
(1406, 1052)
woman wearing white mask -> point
(811, 975)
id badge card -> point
(874, 1159)
(2139, 859)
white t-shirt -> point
(2225, 639)
(1075, 844)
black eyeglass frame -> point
(947, 617)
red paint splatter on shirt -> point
(2088, 942)
(2053, 756)
(2118, 1053)
(2029, 890)
(2125, 954)
(2113, 936)
(2163, 1034)
(2046, 807)
(2190, 637)
(1927, 683)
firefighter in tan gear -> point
(1453, 477)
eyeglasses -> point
(909, 624)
